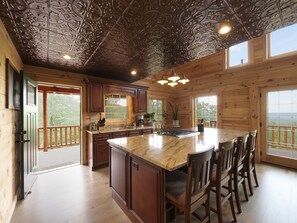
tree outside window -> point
(206, 108)
(155, 105)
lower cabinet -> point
(137, 186)
(98, 147)
(100, 153)
(145, 190)
(118, 168)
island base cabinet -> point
(118, 170)
(146, 191)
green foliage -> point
(150, 116)
(62, 110)
(206, 111)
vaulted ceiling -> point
(109, 38)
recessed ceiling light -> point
(224, 28)
(133, 72)
(67, 57)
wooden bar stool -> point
(221, 176)
(249, 163)
(189, 191)
(238, 168)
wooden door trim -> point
(278, 160)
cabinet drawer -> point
(134, 133)
(147, 131)
(119, 134)
(101, 136)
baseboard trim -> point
(12, 208)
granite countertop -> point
(170, 152)
(118, 129)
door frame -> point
(278, 160)
(57, 85)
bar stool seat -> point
(188, 191)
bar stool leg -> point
(231, 200)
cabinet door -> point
(96, 101)
(118, 172)
(146, 191)
(140, 102)
(100, 153)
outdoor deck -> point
(58, 157)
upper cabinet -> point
(97, 90)
(95, 97)
(140, 102)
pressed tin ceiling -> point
(109, 38)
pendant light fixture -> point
(173, 77)
(162, 81)
(184, 80)
(173, 80)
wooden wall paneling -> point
(254, 96)
(7, 148)
(236, 109)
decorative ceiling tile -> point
(109, 38)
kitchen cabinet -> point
(118, 166)
(95, 97)
(98, 149)
(144, 185)
(140, 102)
(137, 186)
(147, 131)
(134, 133)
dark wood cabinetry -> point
(118, 166)
(137, 186)
(97, 90)
(147, 131)
(98, 149)
(95, 97)
(145, 188)
(140, 102)
(134, 132)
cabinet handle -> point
(135, 165)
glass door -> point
(279, 126)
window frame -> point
(113, 120)
(194, 107)
(227, 58)
(158, 99)
(268, 50)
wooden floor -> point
(76, 194)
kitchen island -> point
(138, 166)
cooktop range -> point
(178, 133)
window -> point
(238, 54)
(283, 40)
(206, 108)
(156, 106)
(115, 107)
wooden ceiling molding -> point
(109, 38)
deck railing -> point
(282, 136)
(59, 136)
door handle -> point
(23, 141)
(135, 165)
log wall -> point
(7, 119)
